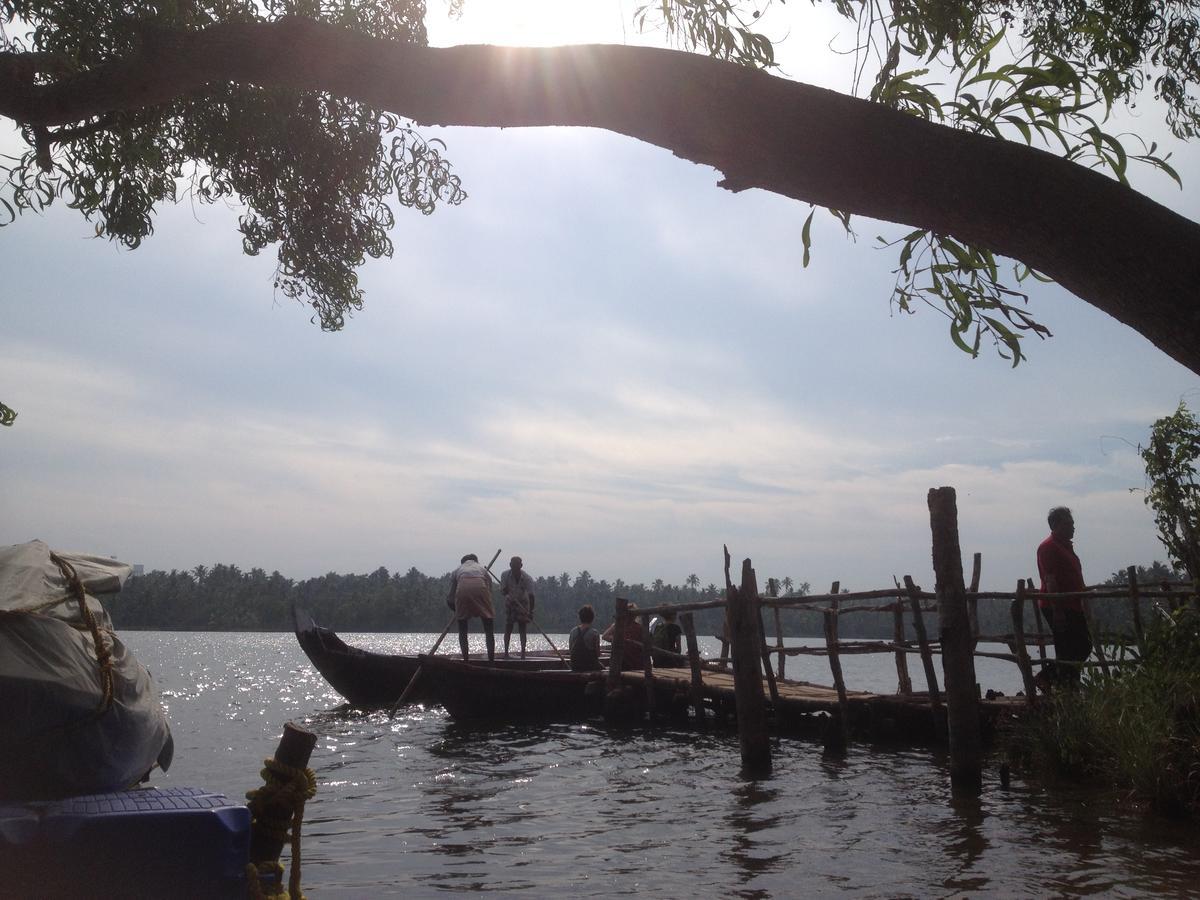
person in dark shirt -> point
(631, 629)
(1062, 573)
(667, 635)
(584, 642)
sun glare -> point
(532, 23)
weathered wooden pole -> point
(648, 664)
(618, 646)
(914, 599)
(1017, 611)
(903, 679)
(273, 806)
(1135, 607)
(1097, 643)
(781, 666)
(745, 646)
(765, 652)
(958, 659)
(973, 603)
(1041, 625)
(693, 652)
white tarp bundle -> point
(58, 734)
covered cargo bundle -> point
(78, 712)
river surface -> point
(427, 807)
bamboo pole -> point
(1041, 624)
(1097, 639)
(831, 644)
(773, 591)
(1017, 611)
(765, 653)
(903, 679)
(958, 663)
(935, 696)
(648, 664)
(1139, 635)
(747, 672)
(693, 652)
(973, 602)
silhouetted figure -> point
(584, 642)
(517, 588)
(471, 595)
(1062, 573)
(667, 635)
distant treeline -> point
(225, 598)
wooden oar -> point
(412, 682)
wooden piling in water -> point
(1041, 624)
(745, 646)
(958, 661)
(693, 652)
(1017, 613)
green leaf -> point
(806, 237)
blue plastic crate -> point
(152, 842)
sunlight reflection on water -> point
(422, 805)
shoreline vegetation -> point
(1135, 730)
(226, 598)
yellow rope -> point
(282, 797)
(103, 654)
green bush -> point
(1136, 729)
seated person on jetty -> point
(631, 630)
(667, 636)
(584, 642)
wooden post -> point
(693, 652)
(1135, 607)
(765, 653)
(1041, 625)
(773, 590)
(618, 646)
(973, 603)
(272, 821)
(903, 680)
(831, 650)
(935, 696)
(958, 659)
(745, 644)
(1097, 643)
(1017, 611)
(648, 664)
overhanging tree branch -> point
(1112, 247)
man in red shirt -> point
(1061, 573)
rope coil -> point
(273, 807)
(103, 654)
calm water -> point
(423, 806)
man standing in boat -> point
(1062, 573)
(471, 595)
(517, 588)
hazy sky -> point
(600, 361)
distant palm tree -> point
(693, 581)
(787, 584)
(200, 572)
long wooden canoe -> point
(469, 690)
(369, 680)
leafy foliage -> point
(1174, 492)
(316, 173)
(1136, 729)
(1034, 71)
